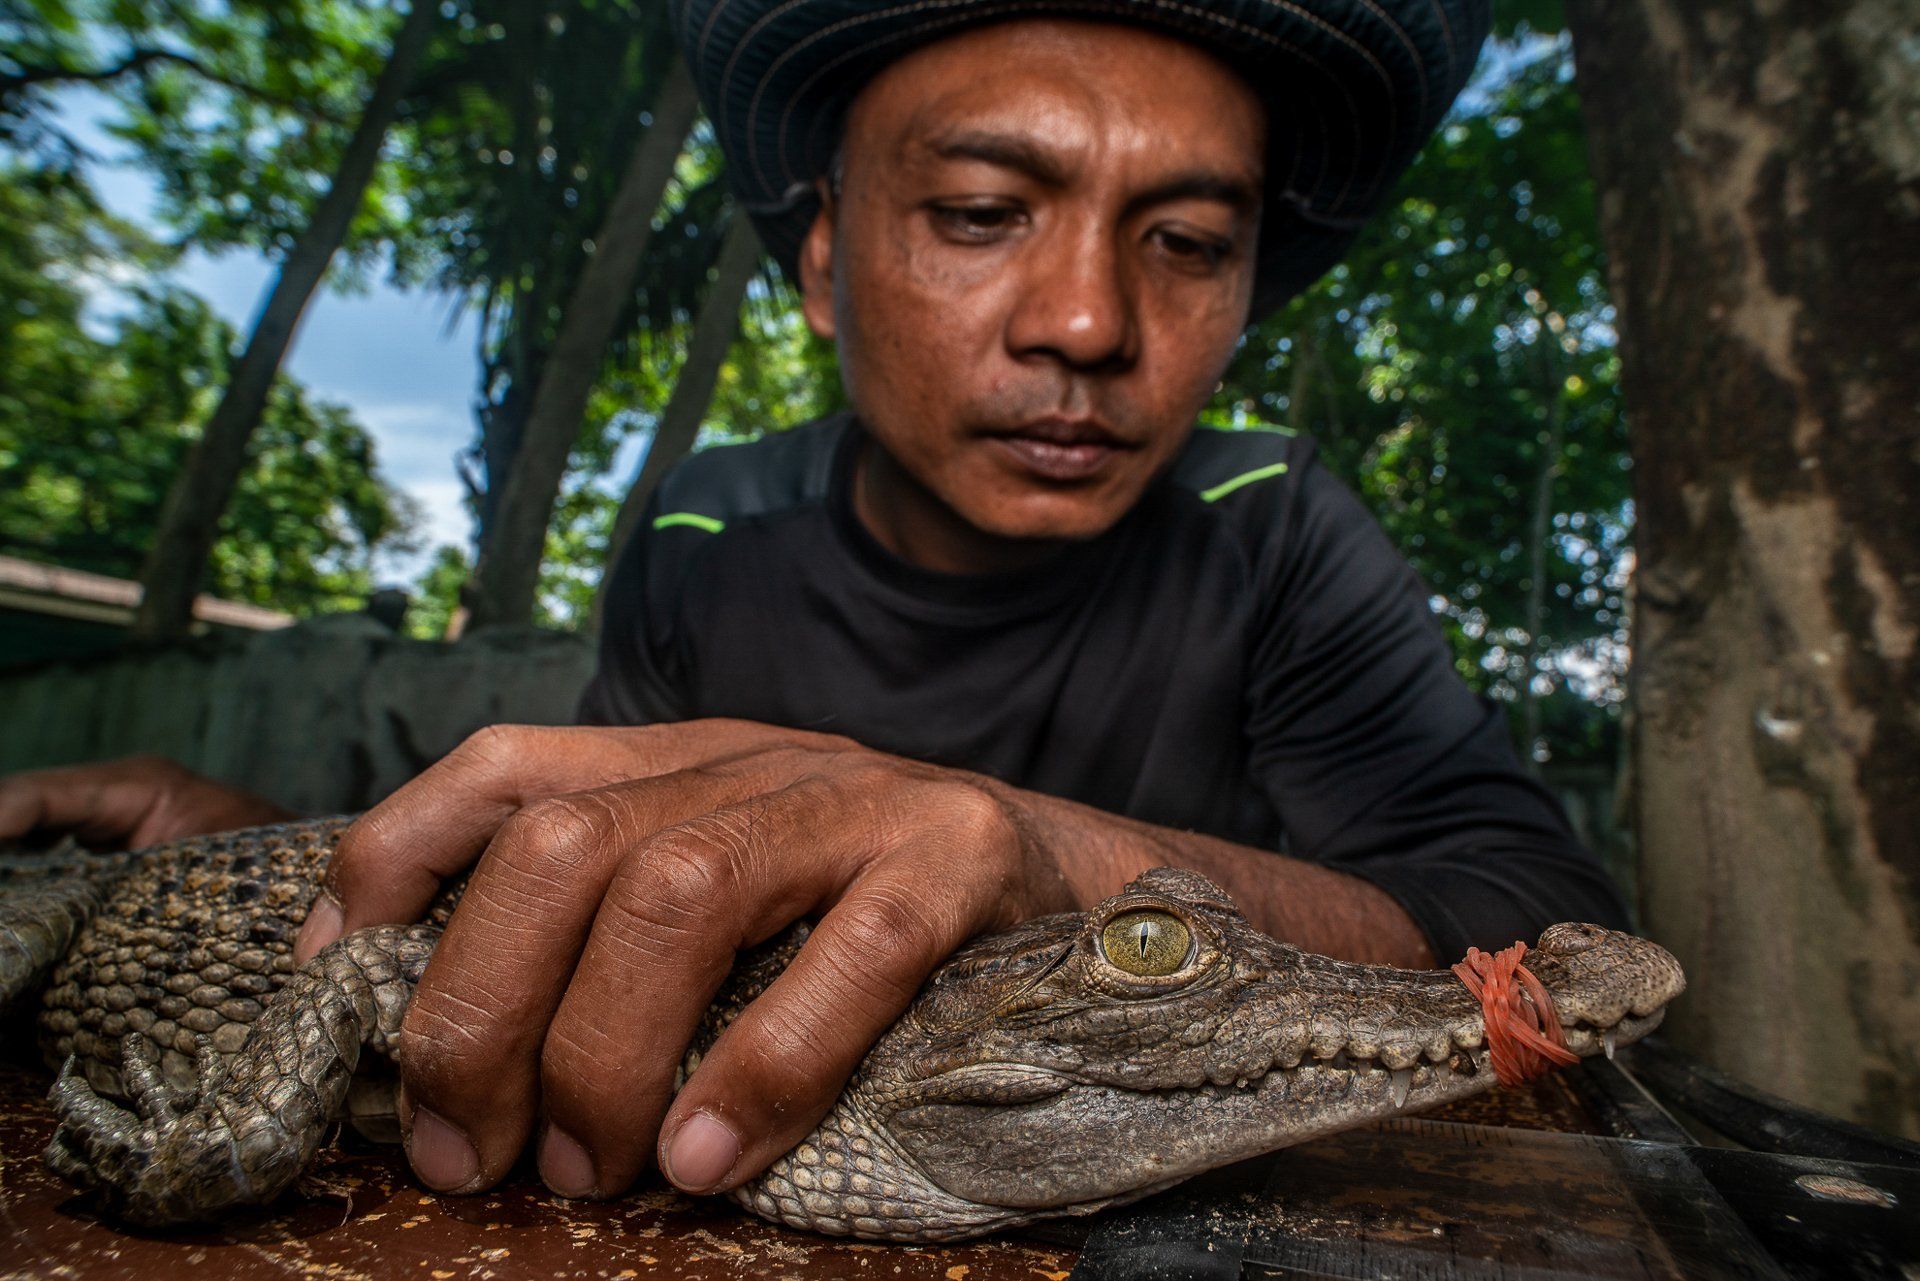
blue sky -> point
(401, 361)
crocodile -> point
(1072, 1063)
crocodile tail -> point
(45, 897)
(39, 916)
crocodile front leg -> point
(255, 1120)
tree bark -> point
(507, 576)
(190, 517)
(679, 425)
(1759, 171)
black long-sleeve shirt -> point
(1244, 655)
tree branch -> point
(140, 57)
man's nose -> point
(1076, 303)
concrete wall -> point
(329, 715)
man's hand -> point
(616, 872)
(127, 803)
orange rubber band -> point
(1524, 1037)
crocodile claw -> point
(97, 1140)
(151, 1163)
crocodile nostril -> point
(1571, 937)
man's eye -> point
(1186, 249)
(976, 222)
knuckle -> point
(682, 873)
(446, 1052)
(571, 1060)
(551, 836)
(880, 948)
(364, 857)
(976, 819)
(879, 927)
(490, 748)
(582, 1070)
(804, 1050)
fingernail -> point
(324, 920)
(565, 1166)
(440, 1154)
(700, 1153)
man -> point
(1005, 636)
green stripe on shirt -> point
(693, 520)
(1226, 487)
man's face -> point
(1039, 264)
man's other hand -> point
(615, 874)
(128, 803)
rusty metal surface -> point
(359, 1214)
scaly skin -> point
(1034, 1075)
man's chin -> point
(1051, 518)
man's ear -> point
(816, 265)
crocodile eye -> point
(1147, 943)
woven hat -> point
(1353, 89)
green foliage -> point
(437, 595)
(93, 427)
(523, 125)
(1465, 345)
(238, 109)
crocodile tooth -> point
(1607, 1041)
(1402, 1083)
(1397, 1055)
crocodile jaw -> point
(1032, 1090)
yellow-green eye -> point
(1147, 943)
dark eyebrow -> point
(1010, 151)
(1201, 184)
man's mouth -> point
(1061, 449)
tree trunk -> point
(190, 518)
(508, 573)
(679, 425)
(1759, 171)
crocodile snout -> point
(1604, 981)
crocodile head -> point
(1088, 1059)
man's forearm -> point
(1302, 903)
